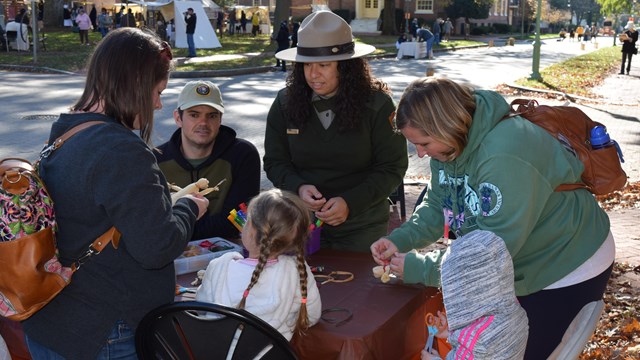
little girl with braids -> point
(274, 282)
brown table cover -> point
(387, 322)
(11, 332)
(388, 319)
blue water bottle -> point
(600, 139)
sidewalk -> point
(623, 124)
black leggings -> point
(626, 57)
(551, 311)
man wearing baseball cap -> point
(202, 147)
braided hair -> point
(281, 223)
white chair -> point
(579, 332)
(18, 36)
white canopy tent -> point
(204, 37)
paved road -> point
(29, 102)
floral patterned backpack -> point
(27, 225)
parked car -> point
(606, 29)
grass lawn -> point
(578, 75)
(64, 51)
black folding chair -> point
(397, 196)
(12, 37)
(193, 330)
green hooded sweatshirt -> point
(504, 181)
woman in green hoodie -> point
(501, 176)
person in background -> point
(232, 21)
(413, 29)
(282, 38)
(93, 15)
(190, 20)
(402, 38)
(273, 282)
(3, 41)
(128, 20)
(579, 32)
(628, 38)
(243, 21)
(119, 16)
(436, 31)
(74, 13)
(329, 137)
(84, 25)
(202, 147)
(427, 36)
(66, 16)
(560, 241)
(448, 28)
(479, 298)
(22, 17)
(171, 33)
(255, 23)
(107, 176)
(294, 34)
(220, 23)
(105, 22)
(140, 21)
(562, 35)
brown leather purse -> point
(31, 275)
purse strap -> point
(110, 236)
(69, 133)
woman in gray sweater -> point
(106, 176)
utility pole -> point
(34, 27)
(522, 22)
(535, 71)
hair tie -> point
(304, 300)
(245, 294)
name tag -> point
(293, 131)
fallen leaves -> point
(617, 336)
(629, 197)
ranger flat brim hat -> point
(324, 36)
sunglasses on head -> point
(166, 51)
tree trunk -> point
(53, 16)
(389, 18)
(281, 13)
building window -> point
(371, 4)
(424, 6)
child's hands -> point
(442, 325)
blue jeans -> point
(104, 31)
(192, 45)
(429, 46)
(121, 345)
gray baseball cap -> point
(200, 92)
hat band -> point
(327, 50)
